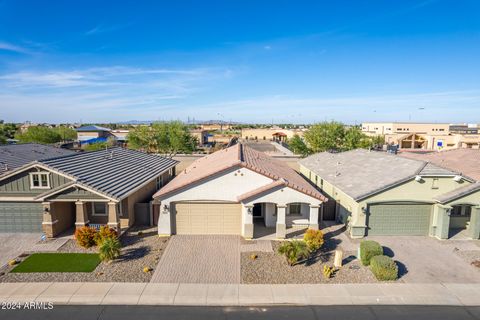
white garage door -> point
(208, 218)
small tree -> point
(325, 136)
(65, 132)
(297, 145)
(294, 251)
(168, 138)
(39, 134)
(354, 138)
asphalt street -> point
(266, 312)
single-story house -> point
(233, 191)
(93, 132)
(104, 187)
(377, 193)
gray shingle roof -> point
(16, 155)
(115, 172)
(92, 129)
(458, 193)
(361, 173)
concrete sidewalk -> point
(242, 295)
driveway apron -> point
(200, 259)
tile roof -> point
(13, 156)
(92, 128)
(465, 161)
(361, 173)
(458, 193)
(115, 172)
(243, 156)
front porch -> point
(265, 220)
(63, 217)
(261, 232)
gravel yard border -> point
(272, 268)
(141, 247)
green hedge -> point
(368, 250)
(384, 268)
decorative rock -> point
(338, 259)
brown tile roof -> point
(465, 161)
(242, 156)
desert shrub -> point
(368, 250)
(109, 249)
(104, 233)
(294, 251)
(384, 268)
(328, 271)
(85, 236)
(313, 239)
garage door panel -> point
(20, 217)
(399, 219)
(208, 218)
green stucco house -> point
(377, 193)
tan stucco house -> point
(240, 191)
(376, 193)
(60, 192)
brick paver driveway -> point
(200, 259)
(14, 244)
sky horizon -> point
(242, 61)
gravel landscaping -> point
(138, 251)
(272, 268)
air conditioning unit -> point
(418, 178)
(457, 178)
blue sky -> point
(247, 61)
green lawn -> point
(59, 262)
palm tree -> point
(294, 251)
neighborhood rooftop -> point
(465, 161)
(240, 155)
(17, 155)
(360, 173)
(92, 128)
(114, 172)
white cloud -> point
(12, 47)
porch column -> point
(164, 219)
(441, 221)
(313, 217)
(81, 217)
(113, 219)
(247, 221)
(281, 227)
(474, 226)
(48, 222)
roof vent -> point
(457, 178)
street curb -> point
(226, 295)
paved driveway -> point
(14, 244)
(200, 259)
(427, 260)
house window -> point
(435, 183)
(99, 208)
(295, 208)
(39, 180)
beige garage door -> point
(208, 218)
